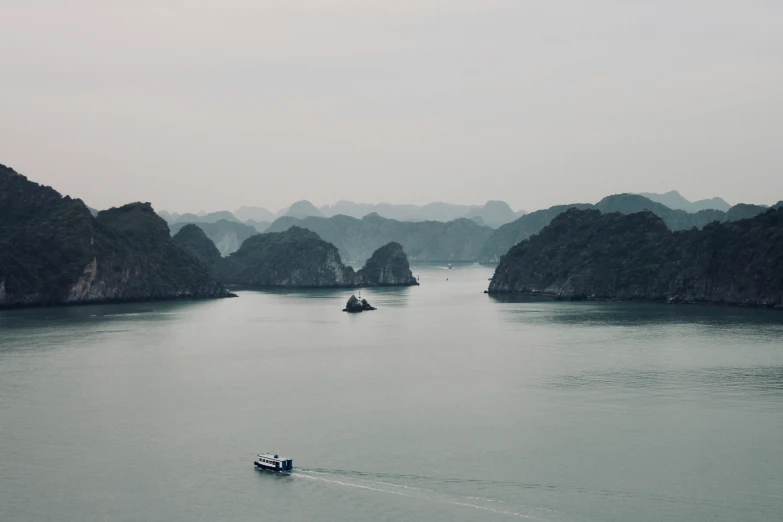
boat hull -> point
(267, 467)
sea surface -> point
(445, 404)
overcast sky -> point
(216, 104)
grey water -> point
(444, 404)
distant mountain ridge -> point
(303, 209)
(357, 239)
(492, 213)
(212, 217)
(259, 214)
(356, 242)
(675, 201)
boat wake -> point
(369, 482)
(360, 486)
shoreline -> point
(555, 297)
(21, 306)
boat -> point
(273, 462)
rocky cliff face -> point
(388, 266)
(300, 258)
(53, 251)
(586, 254)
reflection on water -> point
(633, 313)
(71, 315)
(391, 296)
(741, 381)
(49, 328)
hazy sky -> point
(217, 104)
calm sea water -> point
(445, 404)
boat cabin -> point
(273, 462)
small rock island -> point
(355, 306)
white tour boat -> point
(273, 462)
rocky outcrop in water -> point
(584, 254)
(53, 251)
(388, 266)
(355, 305)
(300, 258)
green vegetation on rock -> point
(586, 254)
(192, 239)
(388, 266)
(53, 251)
(744, 211)
(293, 258)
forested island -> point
(53, 251)
(587, 254)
